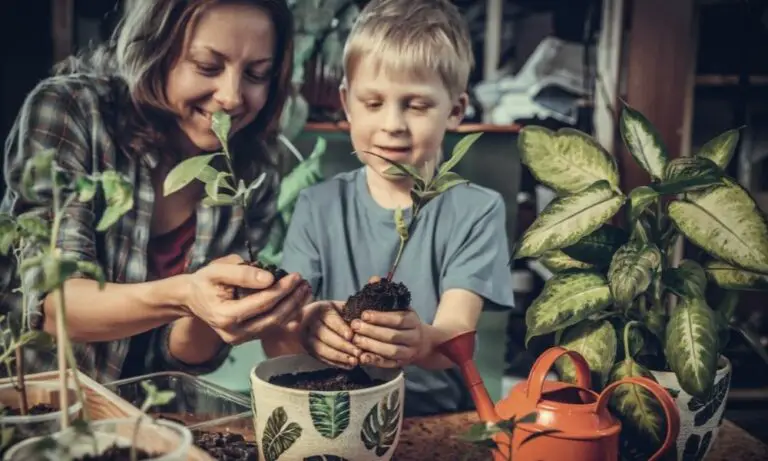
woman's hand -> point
(210, 298)
(327, 336)
(389, 339)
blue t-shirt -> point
(339, 237)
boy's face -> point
(400, 117)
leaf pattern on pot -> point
(279, 435)
(709, 406)
(325, 458)
(329, 412)
(696, 447)
(381, 424)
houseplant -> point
(618, 297)
(303, 408)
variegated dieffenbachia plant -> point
(616, 295)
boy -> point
(406, 63)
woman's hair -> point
(151, 37)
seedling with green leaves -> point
(43, 266)
(425, 188)
(483, 434)
(617, 295)
(153, 398)
(222, 188)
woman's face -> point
(227, 65)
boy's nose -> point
(394, 122)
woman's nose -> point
(229, 92)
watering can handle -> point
(667, 404)
(543, 364)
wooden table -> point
(434, 438)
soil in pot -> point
(276, 272)
(226, 446)
(116, 453)
(383, 295)
(39, 409)
(326, 379)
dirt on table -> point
(34, 410)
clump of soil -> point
(327, 379)
(39, 409)
(226, 446)
(276, 272)
(383, 295)
(115, 453)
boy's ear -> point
(457, 111)
(343, 95)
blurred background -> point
(695, 68)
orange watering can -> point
(573, 422)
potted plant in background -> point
(302, 407)
(617, 295)
(43, 266)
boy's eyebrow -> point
(193, 49)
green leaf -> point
(118, 192)
(596, 342)
(459, 151)
(221, 124)
(55, 272)
(598, 247)
(329, 412)
(92, 269)
(566, 300)
(567, 161)
(86, 188)
(279, 435)
(207, 174)
(31, 225)
(688, 279)
(38, 340)
(729, 277)
(38, 167)
(445, 181)
(639, 200)
(691, 345)
(187, 171)
(220, 200)
(557, 261)
(720, 149)
(644, 142)
(631, 271)
(400, 225)
(641, 415)
(381, 424)
(567, 219)
(212, 187)
(688, 174)
(253, 186)
(727, 223)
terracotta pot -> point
(700, 420)
(292, 424)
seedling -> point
(482, 434)
(44, 267)
(154, 398)
(222, 188)
(425, 188)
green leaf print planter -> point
(298, 425)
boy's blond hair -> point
(411, 37)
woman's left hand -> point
(389, 339)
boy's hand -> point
(328, 336)
(389, 339)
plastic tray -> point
(198, 403)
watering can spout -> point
(459, 350)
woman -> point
(140, 106)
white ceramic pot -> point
(298, 425)
(169, 440)
(700, 420)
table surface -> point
(434, 438)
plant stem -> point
(397, 260)
(627, 349)
(22, 388)
(243, 203)
(61, 339)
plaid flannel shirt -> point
(77, 115)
